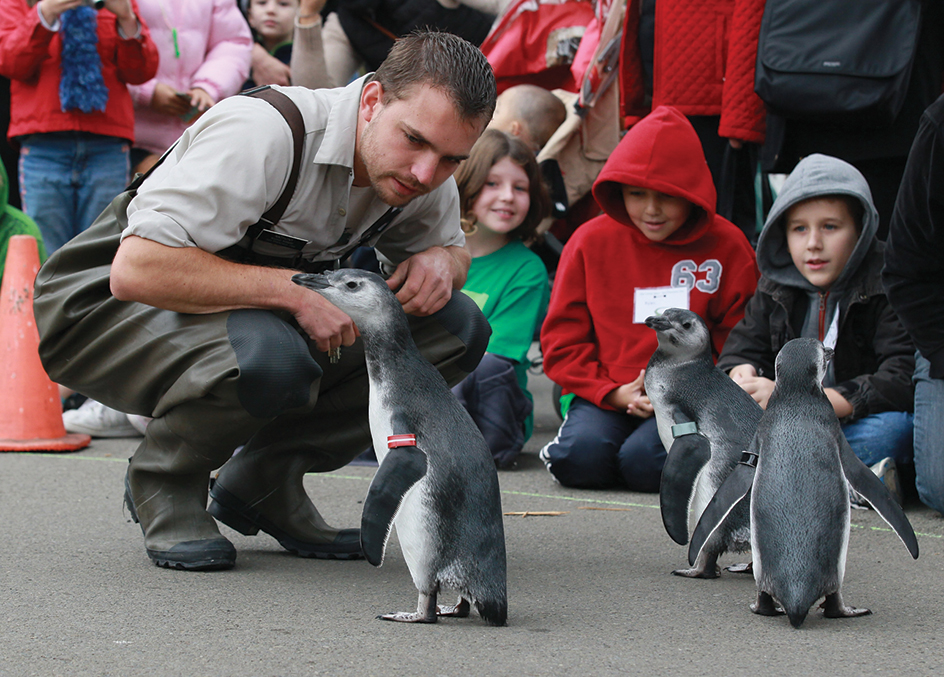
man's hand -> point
(631, 397)
(267, 70)
(426, 280)
(758, 387)
(325, 323)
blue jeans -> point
(890, 433)
(598, 449)
(68, 178)
(929, 435)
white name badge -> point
(653, 300)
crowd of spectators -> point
(628, 151)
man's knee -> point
(276, 369)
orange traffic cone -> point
(30, 410)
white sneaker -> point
(887, 471)
(139, 422)
(95, 419)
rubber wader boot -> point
(261, 487)
(168, 481)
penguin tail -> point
(796, 615)
(796, 599)
(493, 611)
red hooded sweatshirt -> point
(591, 344)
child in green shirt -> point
(503, 199)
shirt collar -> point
(340, 135)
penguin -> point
(436, 481)
(705, 421)
(801, 467)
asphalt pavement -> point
(590, 591)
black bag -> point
(837, 62)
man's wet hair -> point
(446, 62)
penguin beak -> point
(657, 322)
(314, 281)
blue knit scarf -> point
(81, 86)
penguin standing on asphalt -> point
(705, 421)
(800, 495)
(437, 481)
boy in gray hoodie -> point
(821, 278)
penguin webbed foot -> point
(407, 617)
(699, 572)
(765, 606)
(834, 607)
(706, 566)
(741, 568)
(425, 612)
(461, 610)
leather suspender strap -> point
(296, 123)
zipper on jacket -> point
(822, 315)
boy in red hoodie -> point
(658, 244)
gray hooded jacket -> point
(874, 358)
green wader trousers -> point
(215, 382)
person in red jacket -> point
(70, 108)
(658, 244)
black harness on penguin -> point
(798, 472)
(705, 421)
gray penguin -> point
(802, 467)
(705, 421)
(437, 481)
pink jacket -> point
(214, 43)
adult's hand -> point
(841, 405)
(424, 282)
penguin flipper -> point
(401, 469)
(686, 458)
(863, 480)
(731, 492)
